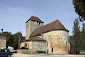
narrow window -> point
(28, 46)
(52, 50)
(39, 23)
(66, 43)
(47, 43)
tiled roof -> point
(1, 34)
(56, 25)
(33, 18)
(37, 38)
(34, 39)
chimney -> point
(1, 30)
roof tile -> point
(33, 18)
(56, 25)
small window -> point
(28, 46)
(39, 23)
(52, 50)
(66, 43)
(47, 43)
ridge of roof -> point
(55, 25)
(33, 18)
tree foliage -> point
(77, 39)
(82, 37)
(12, 39)
(79, 6)
(76, 27)
(76, 32)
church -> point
(52, 37)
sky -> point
(14, 13)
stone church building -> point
(52, 38)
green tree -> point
(76, 33)
(12, 39)
(82, 36)
(71, 40)
(16, 39)
(79, 6)
(9, 39)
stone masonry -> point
(58, 40)
(2, 42)
(52, 38)
(31, 26)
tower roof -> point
(33, 18)
(56, 25)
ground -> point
(44, 55)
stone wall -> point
(35, 46)
(27, 30)
(31, 26)
(24, 51)
(2, 42)
(57, 41)
(38, 46)
(29, 45)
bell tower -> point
(32, 24)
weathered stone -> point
(35, 46)
(31, 26)
(2, 42)
(57, 40)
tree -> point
(82, 36)
(12, 39)
(9, 39)
(76, 27)
(79, 6)
(76, 33)
(16, 39)
(71, 40)
(77, 40)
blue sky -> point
(14, 13)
